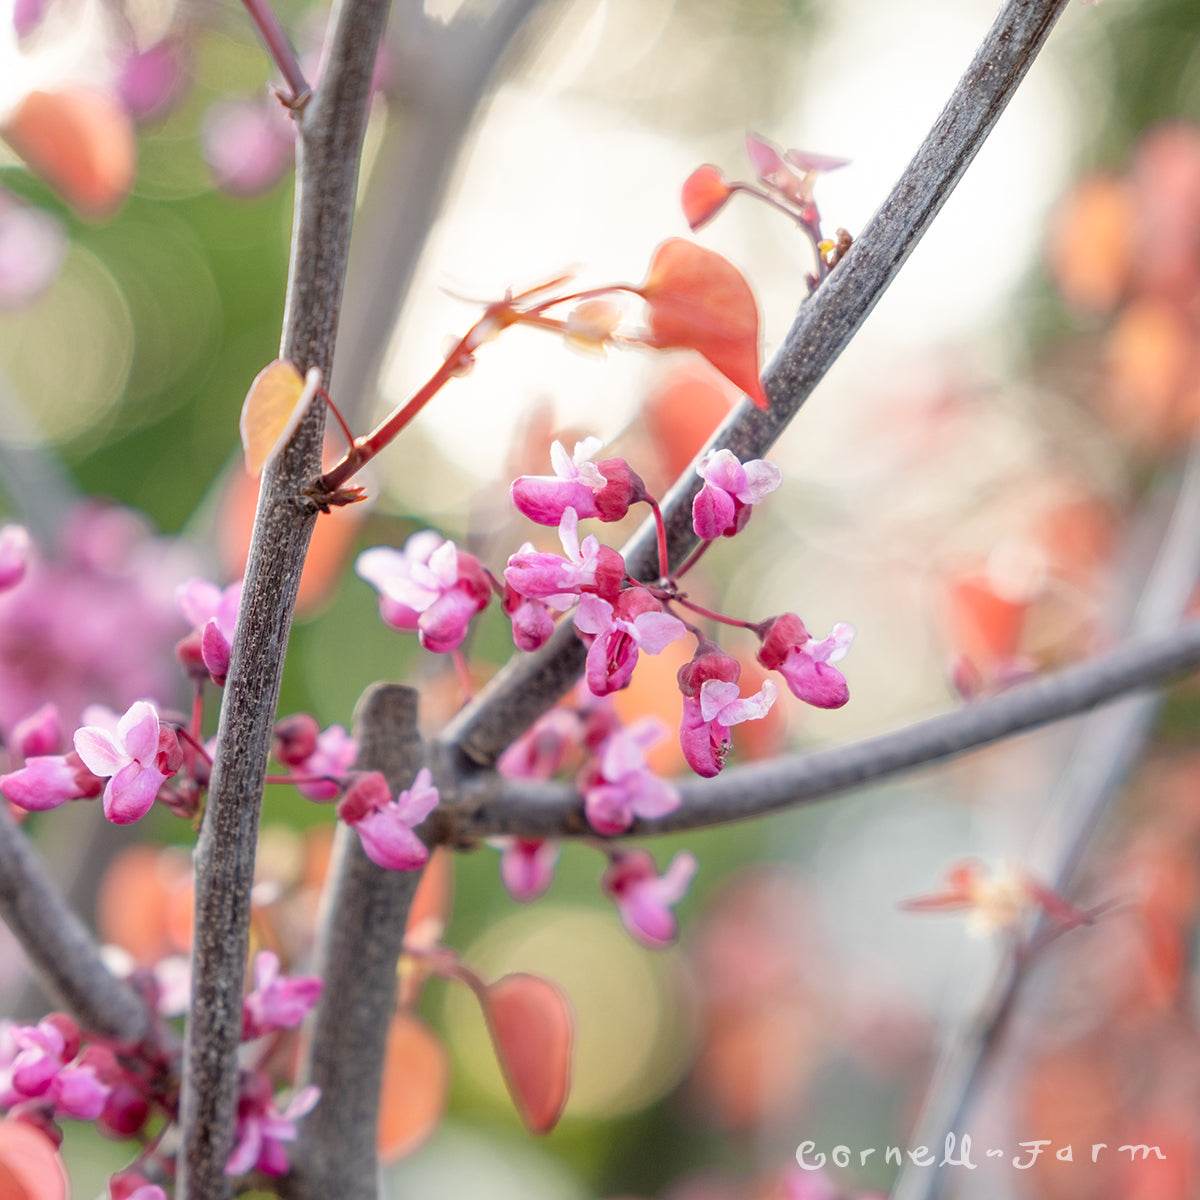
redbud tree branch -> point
(330, 137)
(64, 956)
(487, 805)
(359, 944)
(1108, 746)
(531, 684)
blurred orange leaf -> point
(81, 142)
(683, 414)
(137, 905)
(272, 409)
(533, 1032)
(1092, 241)
(427, 919)
(30, 1168)
(705, 192)
(701, 301)
(416, 1077)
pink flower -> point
(262, 1128)
(574, 484)
(49, 780)
(212, 613)
(276, 1002)
(731, 488)
(248, 144)
(643, 897)
(430, 586)
(804, 662)
(712, 704)
(542, 750)
(15, 548)
(556, 580)
(526, 865)
(385, 826)
(334, 755)
(39, 733)
(617, 633)
(132, 758)
(620, 786)
(793, 174)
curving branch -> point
(531, 684)
(330, 137)
(487, 805)
(65, 958)
(359, 943)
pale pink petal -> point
(389, 842)
(762, 478)
(416, 803)
(715, 695)
(100, 751)
(593, 615)
(657, 630)
(138, 731)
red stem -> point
(664, 560)
(713, 616)
(271, 31)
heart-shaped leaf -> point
(700, 301)
(533, 1032)
(276, 401)
(30, 1168)
(705, 192)
(416, 1080)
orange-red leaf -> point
(30, 1168)
(533, 1032)
(81, 142)
(705, 192)
(273, 407)
(416, 1078)
(700, 301)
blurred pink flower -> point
(643, 897)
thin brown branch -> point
(331, 128)
(488, 805)
(64, 957)
(1108, 746)
(359, 943)
(531, 684)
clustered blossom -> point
(618, 785)
(604, 489)
(643, 897)
(40, 1066)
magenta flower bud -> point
(38, 734)
(125, 1112)
(295, 738)
(532, 623)
(15, 549)
(334, 755)
(709, 662)
(79, 1094)
(622, 488)
(805, 663)
(69, 1031)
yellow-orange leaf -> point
(81, 142)
(416, 1075)
(705, 192)
(701, 301)
(273, 407)
(30, 1168)
(533, 1032)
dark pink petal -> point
(527, 867)
(544, 498)
(816, 683)
(39, 733)
(712, 512)
(214, 651)
(44, 782)
(79, 1094)
(389, 842)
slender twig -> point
(276, 41)
(330, 129)
(530, 685)
(442, 72)
(1106, 750)
(359, 943)
(63, 954)
(485, 805)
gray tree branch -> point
(359, 942)
(486, 805)
(329, 146)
